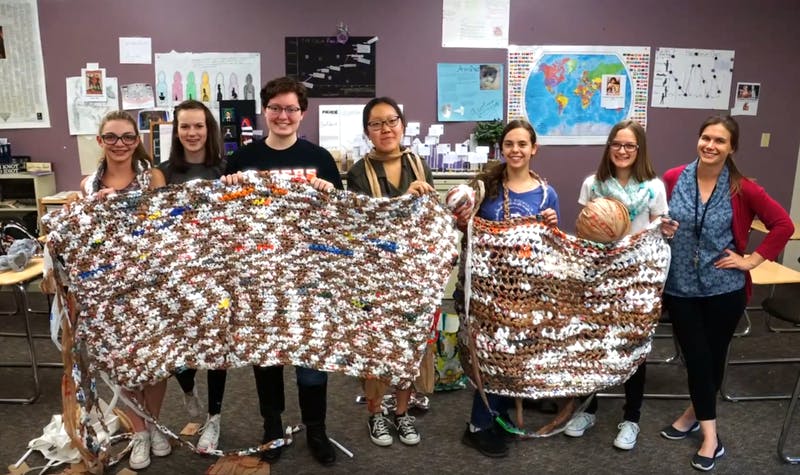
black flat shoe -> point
(671, 433)
(704, 464)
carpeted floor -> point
(749, 430)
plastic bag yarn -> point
(553, 315)
(271, 272)
(603, 220)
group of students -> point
(710, 204)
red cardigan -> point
(749, 202)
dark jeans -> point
(269, 384)
(634, 394)
(216, 386)
(704, 327)
(481, 417)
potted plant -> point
(488, 133)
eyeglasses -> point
(378, 124)
(276, 110)
(629, 147)
(112, 139)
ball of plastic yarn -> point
(460, 196)
(603, 220)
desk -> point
(19, 281)
(759, 226)
(772, 273)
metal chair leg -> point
(787, 423)
(724, 391)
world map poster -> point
(573, 95)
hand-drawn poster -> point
(692, 78)
(469, 92)
(329, 68)
(84, 115)
(23, 97)
(137, 96)
(564, 90)
(475, 23)
(206, 77)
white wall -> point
(793, 248)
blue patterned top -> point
(528, 203)
(685, 279)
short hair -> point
(381, 100)
(284, 85)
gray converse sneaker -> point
(159, 444)
(579, 424)
(210, 438)
(192, 403)
(628, 432)
(406, 430)
(378, 425)
(140, 451)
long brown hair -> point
(139, 153)
(732, 127)
(494, 175)
(212, 147)
(642, 167)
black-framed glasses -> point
(378, 124)
(276, 110)
(629, 147)
(112, 139)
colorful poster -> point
(23, 97)
(475, 23)
(564, 90)
(692, 78)
(469, 92)
(206, 77)
(746, 102)
(331, 66)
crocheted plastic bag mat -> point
(554, 315)
(272, 272)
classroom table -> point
(19, 282)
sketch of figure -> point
(191, 86)
(177, 87)
(234, 83)
(205, 87)
(220, 85)
(249, 89)
(161, 87)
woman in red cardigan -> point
(709, 280)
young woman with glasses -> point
(125, 166)
(390, 170)
(625, 174)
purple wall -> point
(764, 35)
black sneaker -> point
(319, 444)
(378, 425)
(671, 433)
(704, 464)
(406, 430)
(486, 442)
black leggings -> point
(704, 327)
(216, 386)
(634, 393)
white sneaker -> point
(192, 403)
(579, 424)
(159, 444)
(140, 452)
(628, 432)
(210, 438)
(378, 425)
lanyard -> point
(698, 231)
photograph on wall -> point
(611, 96)
(331, 68)
(93, 84)
(692, 78)
(206, 77)
(137, 96)
(746, 101)
(559, 89)
(84, 116)
(148, 116)
(469, 92)
(23, 95)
